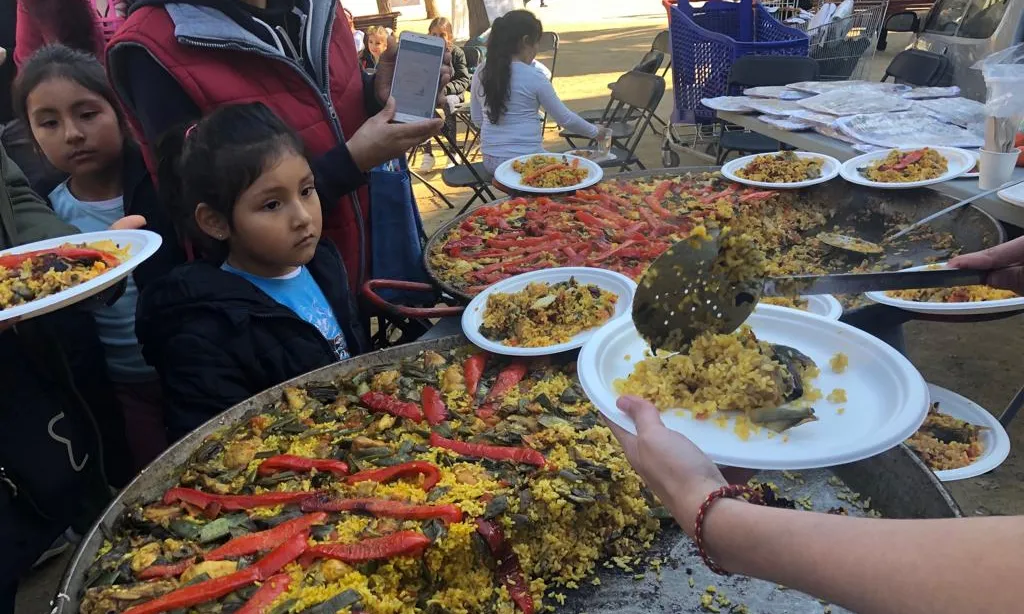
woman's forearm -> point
(873, 565)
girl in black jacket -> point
(453, 91)
(271, 301)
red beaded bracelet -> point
(732, 491)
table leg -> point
(1011, 410)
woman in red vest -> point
(173, 62)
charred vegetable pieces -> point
(501, 487)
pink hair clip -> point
(190, 130)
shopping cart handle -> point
(371, 287)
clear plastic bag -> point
(908, 128)
(736, 104)
(1004, 80)
(855, 101)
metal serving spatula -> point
(680, 296)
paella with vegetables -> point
(447, 482)
(625, 224)
(944, 442)
(736, 374)
(544, 314)
(782, 167)
(956, 294)
(549, 171)
(29, 276)
(906, 166)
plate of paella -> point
(907, 167)
(41, 277)
(546, 312)
(959, 300)
(548, 173)
(789, 390)
(824, 305)
(959, 439)
(782, 169)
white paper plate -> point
(829, 169)
(1013, 195)
(958, 162)
(824, 305)
(608, 157)
(994, 437)
(509, 178)
(887, 397)
(977, 159)
(611, 281)
(948, 309)
(141, 245)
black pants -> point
(23, 537)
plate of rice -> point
(41, 277)
(824, 305)
(547, 311)
(908, 167)
(859, 396)
(959, 439)
(782, 169)
(548, 173)
(959, 300)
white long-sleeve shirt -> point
(519, 132)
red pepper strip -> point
(662, 190)
(431, 474)
(470, 241)
(166, 571)
(384, 508)
(757, 195)
(608, 254)
(13, 261)
(233, 502)
(265, 540)
(499, 265)
(262, 599)
(509, 572)
(504, 243)
(509, 377)
(472, 369)
(218, 587)
(402, 543)
(908, 159)
(657, 208)
(378, 401)
(433, 406)
(527, 456)
(289, 550)
(288, 462)
(593, 221)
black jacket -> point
(140, 198)
(216, 339)
(461, 78)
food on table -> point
(549, 171)
(33, 275)
(944, 442)
(838, 395)
(839, 362)
(956, 294)
(589, 154)
(794, 302)
(730, 373)
(545, 314)
(782, 167)
(905, 166)
(462, 507)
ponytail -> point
(507, 34)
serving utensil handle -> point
(858, 283)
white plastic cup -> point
(995, 168)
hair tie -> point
(190, 130)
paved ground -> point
(980, 361)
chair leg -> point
(432, 189)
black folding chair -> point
(464, 173)
(917, 67)
(635, 95)
(755, 71)
(548, 43)
(663, 43)
(649, 64)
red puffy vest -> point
(216, 77)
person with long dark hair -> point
(508, 92)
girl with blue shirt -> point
(270, 299)
(64, 98)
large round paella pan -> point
(626, 221)
(440, 508)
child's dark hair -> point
(507, 33)
(61, 62)
(215, 160)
